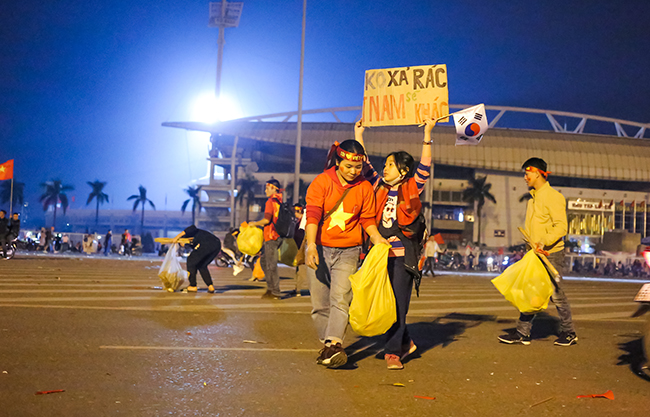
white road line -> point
(226, 349)
(180, 309)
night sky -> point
(85, 85)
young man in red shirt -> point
(272, 240)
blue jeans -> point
(525, 322)
(331, 291)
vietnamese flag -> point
(7, 170)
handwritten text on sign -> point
(405, 96)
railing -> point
(551, 116)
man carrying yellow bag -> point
(546, 226)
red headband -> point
(533, 169)
(354, 157)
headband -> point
(533, 169)
(349, 156)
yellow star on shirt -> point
(2, 168)
(338, 218)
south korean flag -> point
(471, 125)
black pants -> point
(397, 337)
(199, 260)
(4, 240)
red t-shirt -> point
(343, 229)
(271, 210)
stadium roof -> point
(570, 154)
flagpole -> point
(444, 117)
(11, 196)
(645, 217)
(623, 217)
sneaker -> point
(192, 289)
(393, 362)
(211, 289)
(335, 356)
(515, 337)
(270, 295)
(236, 269)
(408, 349)
(566, 339)
(321, 355)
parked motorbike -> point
(643, 298)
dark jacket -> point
(4, 226)
(14, 227)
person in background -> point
(431, 251)
(108, 242)
(42, 240)
(49, 239)
(206, 247)
(299, 238)
(272, 239)
(14, 227)
(4, 232)
(126, 242)
(546, 225)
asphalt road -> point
(105, 332)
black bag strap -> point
(338, 203)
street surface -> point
(105, 332)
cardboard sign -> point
(405, 96)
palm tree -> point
(247, 189)
(476, 194)
(55, 192)
(195, 198)
(141, 199)
(19, 190)
(302, 191)
(99, 196)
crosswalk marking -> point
(134, 286)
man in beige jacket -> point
(546, 224)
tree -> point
(476, 194)
(55, 192)
(141, 198)
(246, 190)
(19, 190)
(195, 198)
(302, 191)
(99, 196)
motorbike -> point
(643, 298)
(11, 249)
(224, 260)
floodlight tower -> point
(223, 15)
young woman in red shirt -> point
(399, 220)
(340, 203)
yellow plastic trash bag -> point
(171, 272)
(373, 310)
(526, 284)
(250, 239)
(287, 252)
